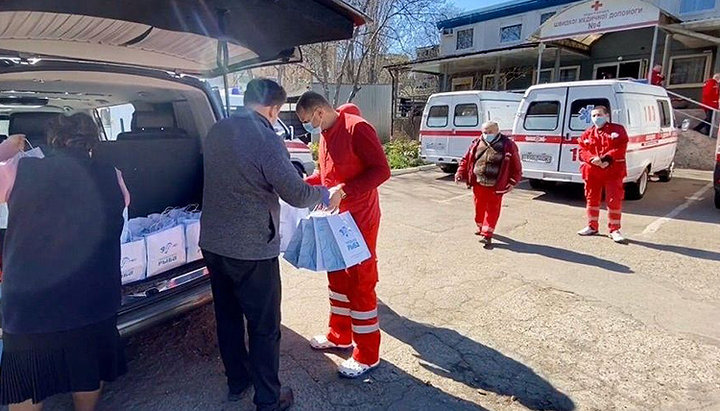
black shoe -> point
(488, 242)
(236, 394)
(287, 398)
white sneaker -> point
(618, 237)
(320, 342)
(350, 368)
(587, 231)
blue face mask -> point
(312, 129)
(490, 137)
(599, 121)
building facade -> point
(500, 48)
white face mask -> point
(490, 137)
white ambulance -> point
(451, 121)
(552, 117)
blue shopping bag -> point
(292, 253)
(307, 257)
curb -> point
(403, 171)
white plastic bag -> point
(289, 221)
(34, 153)
(133, 262)
(192, 240)
(165, 250)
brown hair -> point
(602, 108)
(76, 131)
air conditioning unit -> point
(448, 32)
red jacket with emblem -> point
(350, 153)
(610, 144)
(510, 169)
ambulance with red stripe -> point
(552, 117)
(451, 121)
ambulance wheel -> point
(636, 190)
(449, 168)
(535, 183)
(666, 175)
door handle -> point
(567, 137)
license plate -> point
(537, 158)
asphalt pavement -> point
(544, 321)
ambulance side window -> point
(466, 115)
(665, 113)
(580, 110)
(542, 116)
(438, 116)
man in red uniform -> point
(710, 96)
(353, 163)
(656, 77)
(602, 152)
(491, 167)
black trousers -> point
(704, 128)
(248, 290)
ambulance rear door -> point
(466, 121)
(435, 128)
(538, 130)
(580, 103)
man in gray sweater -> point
(246, 168)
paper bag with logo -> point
(349, 239)
(289, 220)
(165, 250)
(307, 257)
(292, 253)
(329, 257)
(133, 261)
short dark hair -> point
(264, 92)
(76, 131)
(602, 108)
(311, 100)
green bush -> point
(403, 153)
(314, 150)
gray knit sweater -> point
(246, 167)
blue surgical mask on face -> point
(312, 129)
(490, 137)
(599, 121)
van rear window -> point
(542, 116)
(665, 113)
(466, 115)
(438, 116)
(580, 110)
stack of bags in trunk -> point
(159, 242)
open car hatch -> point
(174, 35)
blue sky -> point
(466, 5)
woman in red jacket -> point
(491, 167)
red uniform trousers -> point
(353, 302)
(614, 194)
(487, 209)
